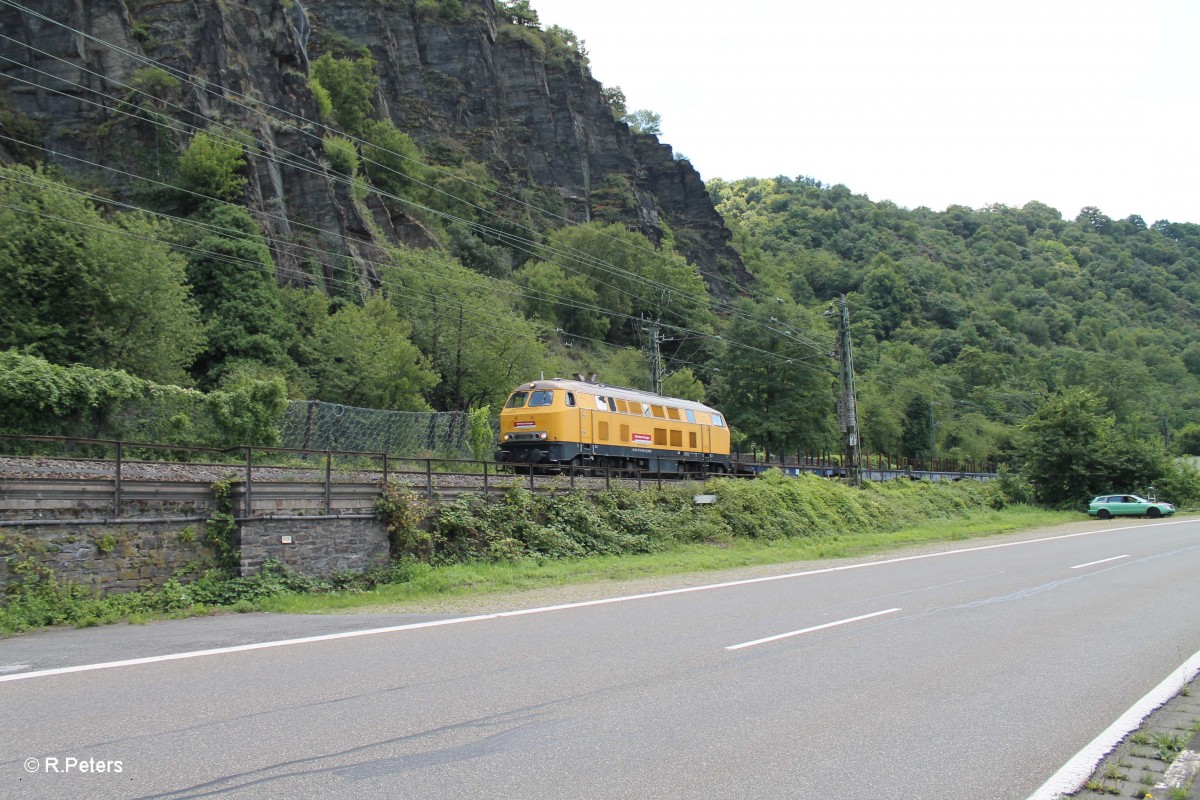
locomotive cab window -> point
(612, 405)
(601, 404)
(542, 398)
(691, 416)
(571, 399)
(517, 400)
(717, 421)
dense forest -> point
(970, 318)
(459, 280)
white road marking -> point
(1082, 764)
(779, 636)
(1101, 561)
(43, 673)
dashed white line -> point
(1101, 561)
(779, 636)
(43, 673)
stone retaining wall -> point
(320, 546)
(117, 558)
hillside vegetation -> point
(456, 252)
(971, 317)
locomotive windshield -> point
(539, 398)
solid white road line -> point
(1082, 764)
(1101, 561)
(779, 636)
(42, 673)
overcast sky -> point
(922, 102)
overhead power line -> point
(299, 163)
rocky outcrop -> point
(464, 86)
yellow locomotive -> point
(551, 424)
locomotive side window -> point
(517, 400)
(691, 416)
(571, 399)
(601, 404)
(612, 405)
(542, 398)
(717, 421)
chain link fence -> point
(314, 425)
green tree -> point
(567, 302)
(775, 390)
(519, 12)
(466, 326)
(350, 85)
(631, 279)
(1187, 440)
(210, 167)
(616, 100)
(233, 279)
(364, 358)
(77, 287)
(1061, 447)
(392, 160)
(916, 440)
(644, 121)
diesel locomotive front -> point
(548, 425)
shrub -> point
(40, 398)
(210, 166)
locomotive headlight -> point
(541, 436)
(508, 437)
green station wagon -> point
(1129, 505)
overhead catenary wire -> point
(569, 252)
(540, 296)
(254, 106)
(517, 243)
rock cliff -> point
(463, 85)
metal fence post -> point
(117, 484)
(385, 470)
(248, 511)
(328, 480)
(429, 478)
(485, 479)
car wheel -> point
(1153, 513)
(1103, 514)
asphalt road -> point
(968, 674)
